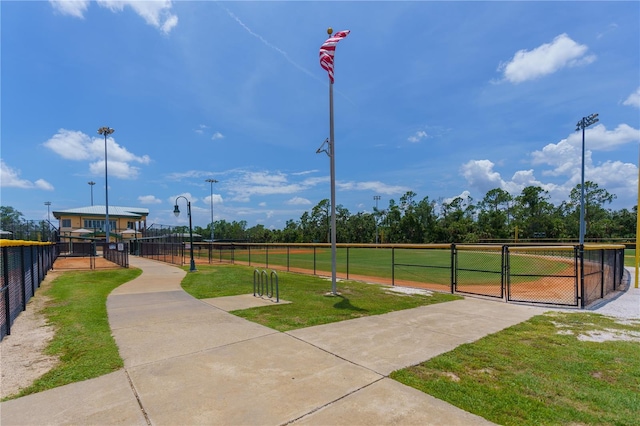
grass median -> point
(557, 368)
(77, 310)
(310, 303)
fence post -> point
(393, 266)
(581, 266)
(347, 262)
(506, 271)
(266, 261)
(314, 260)
(5, 290)
(33, 272)
(454, 265)
(288, 258)
(602, 273)
(23, 278)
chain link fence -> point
(24, 266)
(560, 275)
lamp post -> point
(106, 131)
(176, 211)
(91, 183)
(581, 125)
(211, 181)
(376, 198)
(48, 204)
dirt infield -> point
(82, 264)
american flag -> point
(328, 49)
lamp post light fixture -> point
(176, 211)
(211, 181)
(581, 125)
(91, 183)
(376, 198)
(106, 131)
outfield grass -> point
(308, 294)
(539, 372)
(82, 341)
(630, 258)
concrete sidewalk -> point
(188, 361)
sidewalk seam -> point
(135, 393)
(334, 401)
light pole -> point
(376, 198)
(91, 183)
(106, 131)
(583, 124)
(176, 211)
(48, 204)
(211, 181)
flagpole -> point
(332, 161)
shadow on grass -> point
(345, 304)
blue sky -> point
(441, 98)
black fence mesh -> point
(478, 270)
(23, 267)
(546, 275)
(549, 275)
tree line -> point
(497, 216)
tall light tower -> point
(91, 183)
(583, 124)
(211, 181)
(376, 198)
(106, 131)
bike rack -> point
(263, 283)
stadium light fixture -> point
(582, 125)
(106, 131)
(176, 211)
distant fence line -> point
(116, 252)
(561, 275)
(24, 266)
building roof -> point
(133, 212)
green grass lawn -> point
(630, 258)
(308, 294)
(539, 372)
(83, 342)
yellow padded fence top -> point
(19, 243)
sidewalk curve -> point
(190, 362)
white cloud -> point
(633, 99)
(10, 178)
(374, 186)
(149, 199)
(156, 13)
(545, 59)
(75, 145)
(43, 184)
(262, 204)
(75, 8)
(566, 155)
(181, 202)
(465, 195)
(298, 201)
(217, 135)
(418, 136)
(217, 199)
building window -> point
(98, 224)
(131, 225)
(66, 223)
